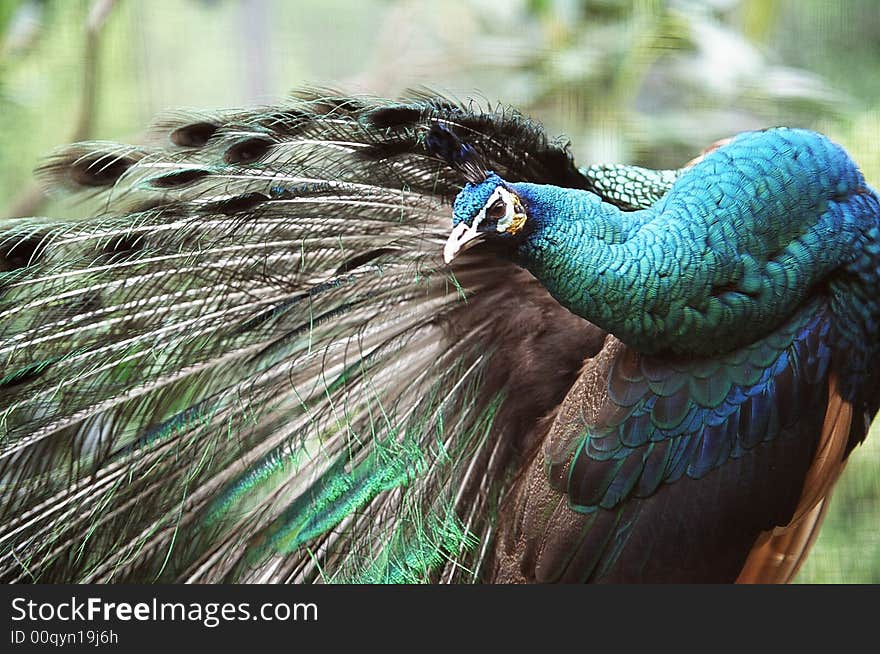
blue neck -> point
(724, 258)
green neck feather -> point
(722, 260)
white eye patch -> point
(504, 223)
(511, 221)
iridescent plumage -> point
(256, 366)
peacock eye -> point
(496, 210)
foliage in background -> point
(640, 81)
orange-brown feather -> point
(778, 554)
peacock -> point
(355, 340)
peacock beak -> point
(460, 239)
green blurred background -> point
(637, 81)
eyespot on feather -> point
(195, 135)
(20, 254)
(123, 246)
(179, 178)
(248, 151)
(237, 204)
(390, 117)
(99, 170)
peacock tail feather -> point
(253, 364)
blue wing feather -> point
(702, 412)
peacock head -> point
(485, 210)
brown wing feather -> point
(778, 554)
(545, 529)
(693, 530)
